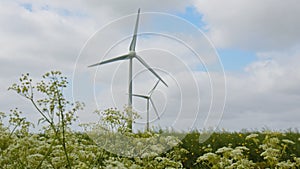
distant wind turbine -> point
(132, 54)
(149, 99)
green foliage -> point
(58, 147)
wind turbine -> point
(132, 54)
(149, 99)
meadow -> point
(21, 149)
(58, 146)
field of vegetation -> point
(57, 146)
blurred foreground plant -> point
(52, 105)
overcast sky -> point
(244, 54)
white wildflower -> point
(144, 155)
(251, 136)
(236, 153)
(242, 148)
(288, 141)
(286, 164)
(223, 150)
(208, 157)
(297, 160)
(274, 141)
(270, 153)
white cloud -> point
(252, 25)
(266, 94)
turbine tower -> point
(132, 54)
(149, 99)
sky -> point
(230, 65)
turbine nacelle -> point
(131, 54)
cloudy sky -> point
(244, 54)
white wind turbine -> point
(149, 99)
(132, 54)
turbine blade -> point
(154, 108)
(151, 91)
(123, 57)
(150, 69)
(133, 42)
(142, 96)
